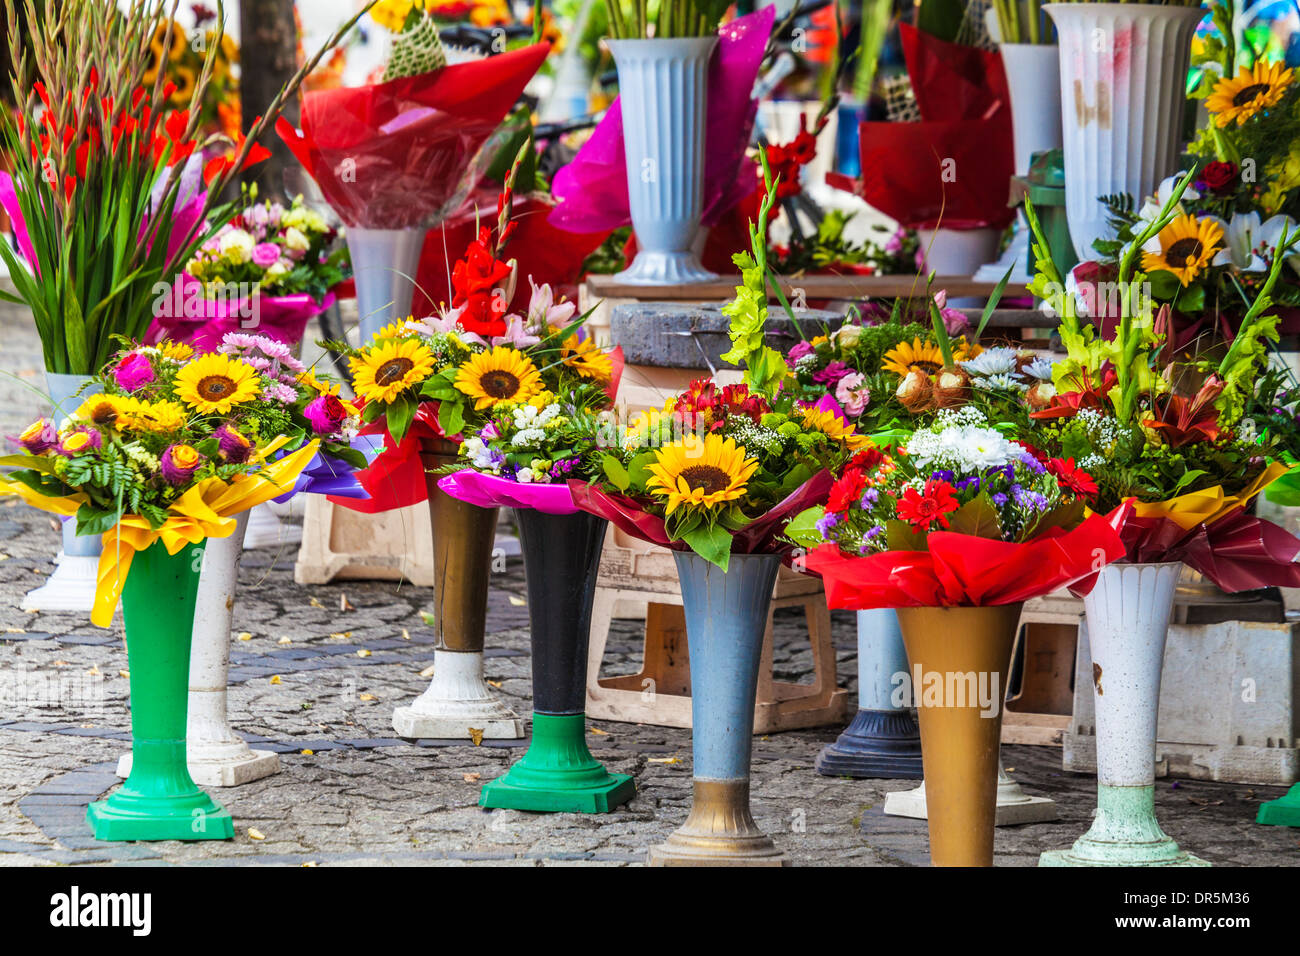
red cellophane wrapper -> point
(757, 537)
(962, 570)
(392, 155)
(1238, 551)
(954, 167)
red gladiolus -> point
(1071, 478)
(922, 509)
(475, 281)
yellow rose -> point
(77, 441)
(185, 456)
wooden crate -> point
(1041, 712)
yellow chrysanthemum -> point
(906, 356)
(161, 418)
(646, 426)
(383, 371)
(586, 358)
(1253, 90)
(501, 376)
(1187, 246)
(833, 427)
(215, 383)
(700, 471)
(105, 410)
(176, 351)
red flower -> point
(478, 283)
(1220, 177)
(847, 491)
(1070, 478)
(738, 400)
(1040, 456)
(922, 510)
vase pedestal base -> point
(652, 267)
(719, 831)
(1282, 812)
(1124, 833)
(1014, 805)
(458, 704)
(222, 772)
(884, 744)
(132, 815)
(70, 587)
(558, 774)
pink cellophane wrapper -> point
(491, 491)
(280, 317)
(593, 188)
(392, 155)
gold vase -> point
(962, 655)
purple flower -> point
(825, 524)
(1030, 500)
(39, 437)
(179, 462)
(999, 498)
(832, 373)
(79, 441)
(326, 414)
(972, 482)
(133, 372)
(1032, 463)
(490, 432)
(235, 448)
(266, 254)
(869, 499)
(799, 351)
(943, 474)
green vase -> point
(1282, 812)
(159, 801)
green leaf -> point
(399, 415)
(451, 418)
(95, 521)
(638, 469)
(712, 542)
(802, 528)
(901, 536)
(615, 472)
(977, 517)
(992, 303)
(1164, 284)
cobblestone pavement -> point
(351, 793)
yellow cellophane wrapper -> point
(205, 511)
(1207, 505)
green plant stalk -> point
(1262, 301)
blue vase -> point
(663, 89)
(726, 617)
(883, 740)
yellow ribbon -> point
(1207, 505)
(205, 511)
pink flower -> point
(80, 440)
(326, 414)
(133, 372)
(266, 254)
(179, 462)
(544, 311)
(799, 351)
(853, 394)
(235, 448)
(517, 334)
(39, 437)
(832, 373)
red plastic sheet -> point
(962, 570)
(393, 155)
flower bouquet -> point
(269, 269)
(165, 456)
(525, 457)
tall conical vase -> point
(883, 740)
(384, 262)
(961, 656)
(663, 89)
(1128, 616)
(458, 704)
(71, 586)
(159, 800)
(558, 773)
(1123, 86)
(726, 617)
(215, 754)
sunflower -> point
(700, 471)
(906, 356)
(106, 411)
(1253, 90)
(1187, 245)
(383, 371)
(503, 375)
(215, 383)
(176, 351)
(833, 427)
(586, 358)
(185, 80)
(161, 418)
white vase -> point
(1123, 86)
(1128, 614)
(71, 586)
(957, 253)
(384, 263)
(663, 89)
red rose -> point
(922, 510)
(1220, 177)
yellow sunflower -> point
(906, 356)
(1253, 90)
(106, 411)
(700, 471)
(383, 371)
(586, 358)
(1187, 246)
(833, 427)
(501, 376)
(161, 418)
(176, 351)
(394, 330)
(216, 383)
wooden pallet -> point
(1040, 713)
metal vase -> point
(726, 617)
(663, 88)
(1128, 616)
(458, 703)
(1123, 72)
(959, 654)
(883, 740)
(384, 263)
(558, 773)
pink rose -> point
(133, 372)
(265, 255)
(852, 394)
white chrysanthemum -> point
(985, 448)
(1002, 382)
(1040, 368)
(995, 361)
